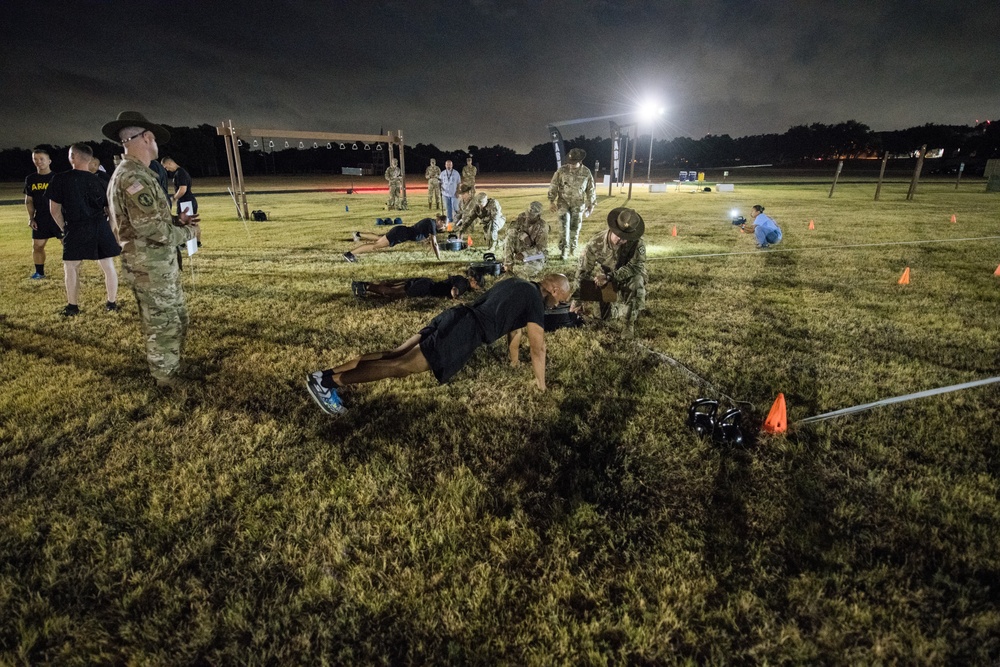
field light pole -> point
(649, 112)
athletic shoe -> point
(328, 400)
(762, 246)
(357, 237)
(112, 307)
(349, 256)
(37, 276)
(359, 288)
(70, 310)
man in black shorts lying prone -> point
(446, 344)
(425, 230)
(452, 286)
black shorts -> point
(449, 341)
(93, 240)
(47, 229)
(399, 234)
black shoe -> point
(71, 310)
(359, 288)
(112, 307)
(349, 256)
(199, 244)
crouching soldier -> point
(488, 211)
(612, 269)
(527, 243)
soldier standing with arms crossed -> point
(149, 236)
(433, 176)
(395, 178)
(573, 194)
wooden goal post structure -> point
(231, 135)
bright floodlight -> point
(649, 111)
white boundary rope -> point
(828, 247)
(897, 399)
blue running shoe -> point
(37, 276)
(328, 400)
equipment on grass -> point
(258, 216)
(701, 416)
(453, 243)
(388, 221)
(560, 317)
(728, 430)
(488, 267)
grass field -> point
(484, 521)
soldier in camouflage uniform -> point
(487, 210)
(433, 176)
(573, 194)
(527, 237)
(469, 173)
(618, 256)
(395, 178)
(148, 234)
(466, 205)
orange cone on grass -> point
(997, 272)
(905, 278)
(812, 225)
(470, 241)
(674, 232)
(777, 420)
(953, 218)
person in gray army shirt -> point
(433, 176)
(617, 256)
(488, 211)
(527, 243)
(395, 178)
(148, 235)
(573, 195)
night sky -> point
(488, 72)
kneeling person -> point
(448, 341)
(765, 230)
(617, 257)
(527, 243)
(425, 230)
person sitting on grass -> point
(765, 230)
(452, 286)
(448, 341)
(426, 229)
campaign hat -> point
(134, 119)
(576, 155)
(626, 223)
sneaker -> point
(70, 310)
(357, 237)
(112, 307)
(359, 288)
(37, 276)
(762, 246)
(328, 400)
(349, 256)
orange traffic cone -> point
(953, 218)
(812, 225)
(905, 278)
(997, 272)
(777, 421)
(674, 232)
(470, 241)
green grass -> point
(483, 521)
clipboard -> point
(589, 291)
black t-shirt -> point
(161, 176)
(36, 186)
(181, 178)
(424, 228)
(105, 179)
(511, 304)
(81, 195)
(440, 289)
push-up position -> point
(448, 341)
(425, 230)
(452, 286)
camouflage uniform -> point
(140, 212)
(528, 235)
(625, 265)
(466, 205)
(490, 215)
(469, 176)
(572, 191)
(395, 178)
(433, 176)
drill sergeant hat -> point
(134, 119)
(626, 223)
(576, 155)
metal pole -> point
(631, 176)
(649, 165)
(961, 168)
(840, 165)
(239, 171)
(402, 165)
(916, 173)
(881, 174)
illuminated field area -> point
(486, 522)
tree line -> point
(202, 152)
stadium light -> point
(648, 113)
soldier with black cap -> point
(612, 268)
(149, 235)
(573, 194)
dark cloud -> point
(491, 71)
